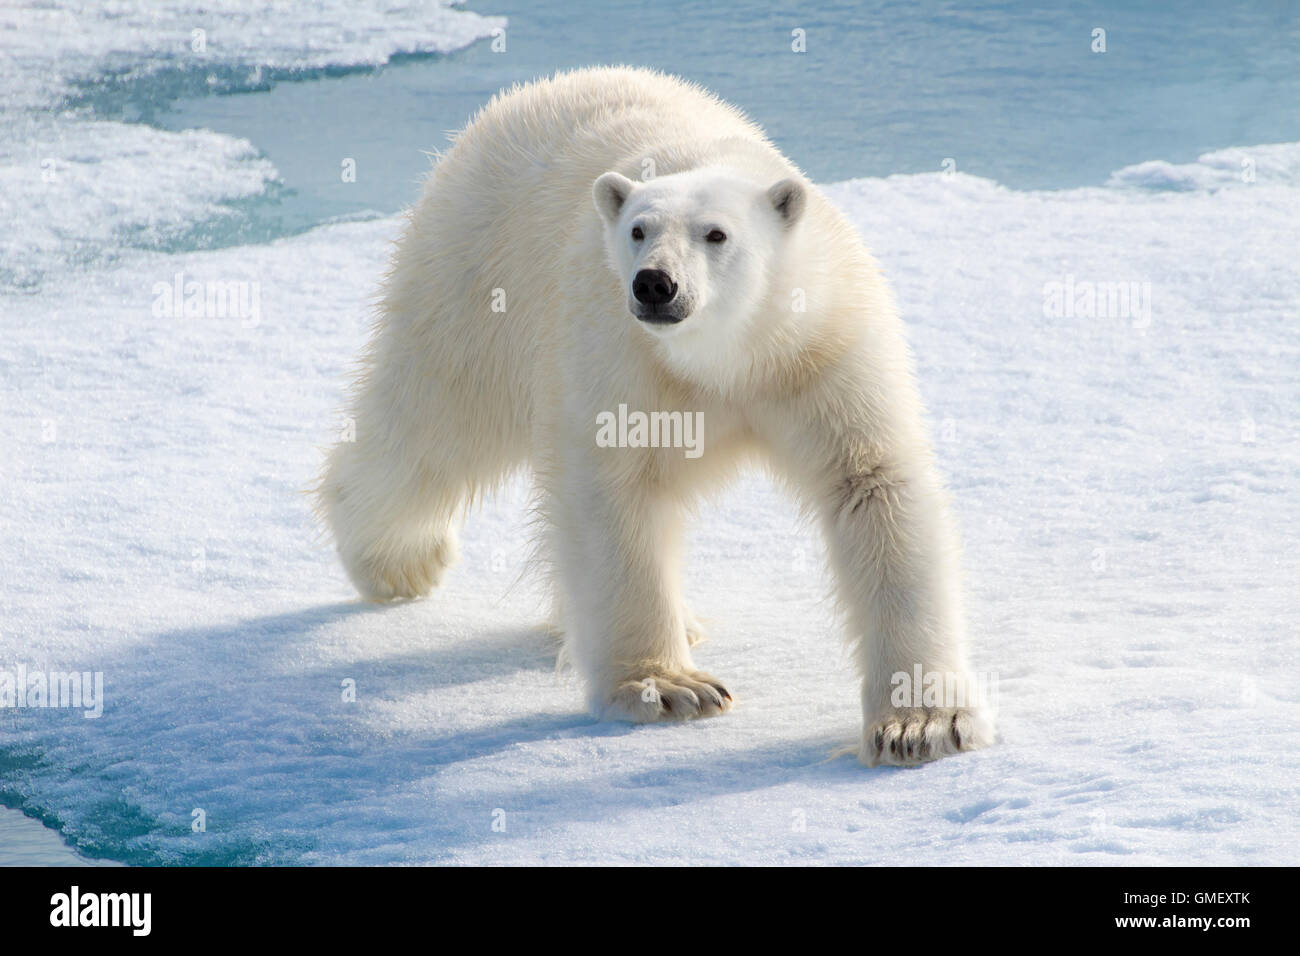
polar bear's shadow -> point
(270, 640)
(547, 709)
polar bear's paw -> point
(915, 735)
(669, 695)
(404, 574)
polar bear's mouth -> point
(658, 315)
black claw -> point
(665, 703)
(956, 732)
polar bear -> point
(613, 238)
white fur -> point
(453, 395)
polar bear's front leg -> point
(617, 553)
(893, 554)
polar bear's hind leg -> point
(394, 497)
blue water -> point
(1009, 91)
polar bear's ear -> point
(610, 191)
(788, 198)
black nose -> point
(653, 287)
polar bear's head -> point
(694, 250)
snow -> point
(1128, 488)
(1277, 162)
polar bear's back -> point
(517, 180)
(572, 127)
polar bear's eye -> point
(717, 235)
(637, 233)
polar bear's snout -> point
(655, 294)
(654, 287)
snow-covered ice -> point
(105, 185)
(1128, 488)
